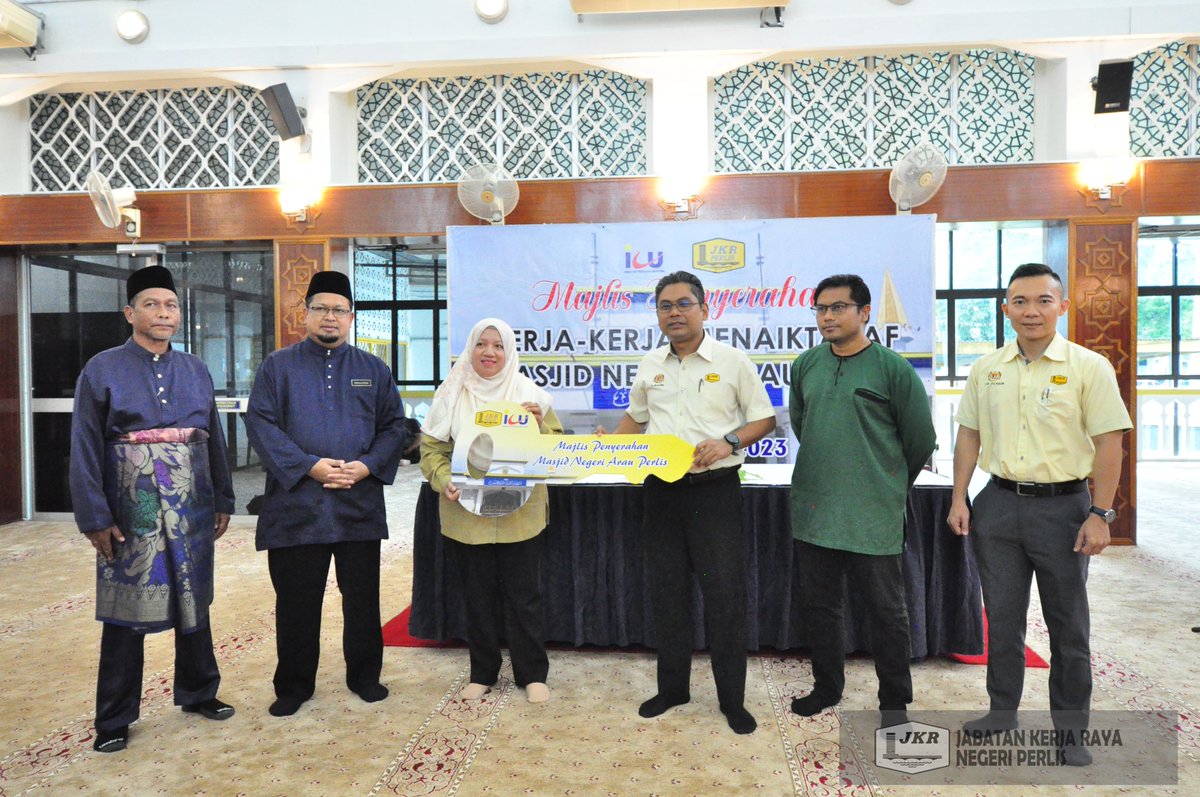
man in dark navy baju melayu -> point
(151, 490)
(326, 419)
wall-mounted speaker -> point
(1112, 83)
(284, 112)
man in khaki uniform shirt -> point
(710, 395)
(1040, 415)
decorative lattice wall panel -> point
(1164, 103)
(560, 124)
(161, 138)
(836, 113)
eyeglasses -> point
(665, 308)
(322, 310)
(835, 309)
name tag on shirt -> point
(360, 383)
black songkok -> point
(330, 282)
(149, 277)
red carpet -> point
(395, 634)
(1031, 659)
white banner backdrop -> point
(580, 296)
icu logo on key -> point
(634, 261)
(492, 418)
(1058, 379)
(711, 378)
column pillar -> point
(1102, 283)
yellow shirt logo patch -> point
(994, 376)
(1058, 379)
(710, 378)
(658, 379)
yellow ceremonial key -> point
(499, 459)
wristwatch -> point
(734, 441)
(1109, 515)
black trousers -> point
(119, 681)
(880, 580)
(299, 574)
(503, 597)
(697, 528)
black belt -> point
(1039, 489)
(705, 476)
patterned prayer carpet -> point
(587, 740)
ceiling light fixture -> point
(132, 26)
(491, 11)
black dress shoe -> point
(111, 741)
(212, 708)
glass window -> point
(1154, 264)
(1188, 259)
(974, 331)
(400, 291)
(939, 340)
(974, 258)
(1154, 336)
(1189, 336)
(1020, 245)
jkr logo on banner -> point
(719, 254)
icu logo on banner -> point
(635, 262)
(718, 254)
(490, 418)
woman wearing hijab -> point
(498, 556)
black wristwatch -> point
(734, 441)
(1109, 515)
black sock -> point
(111, 741)
(740, 720)
(812, 704)
(285, 706)
(372, 693)
(658, 704)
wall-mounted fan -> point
(488, 192)
(113, 205)
(916, 177)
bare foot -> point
(537, 692)
(474, 691)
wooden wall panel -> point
(10, 402)
(295, 264)
(1103, 286)
(970, 193)
(1172, 188)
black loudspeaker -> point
(1111, 84)
(283, 110)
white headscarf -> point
(465, 391)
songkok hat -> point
(149, 277)
(330, 282)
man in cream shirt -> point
(710, 395)
(1041, 415)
